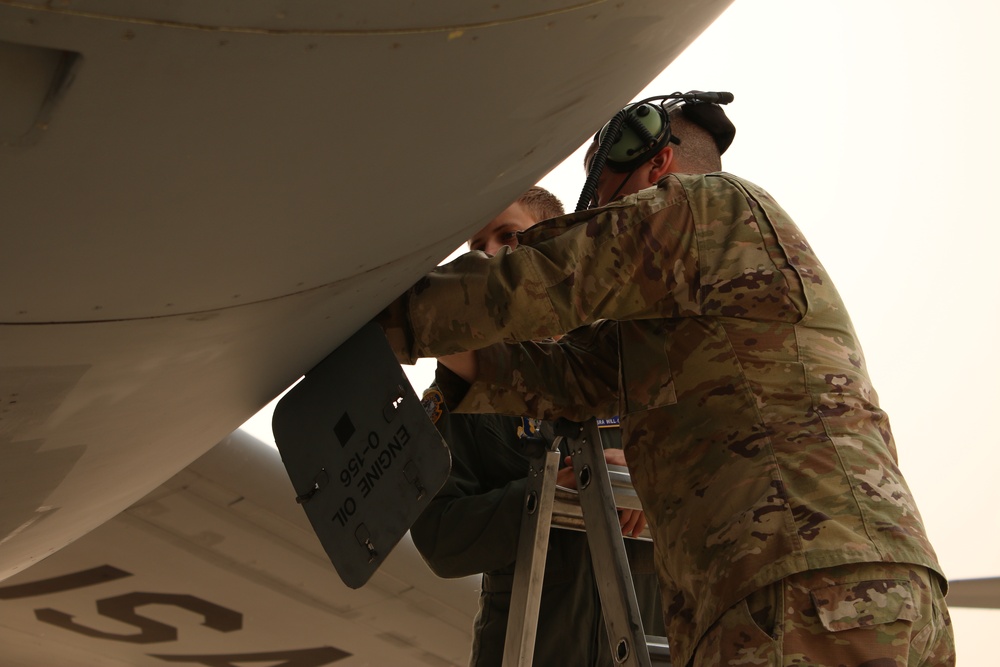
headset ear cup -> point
(645, 131)
(640, 130)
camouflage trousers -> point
(863, 615)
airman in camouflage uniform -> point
(785, 533)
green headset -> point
(642, 129)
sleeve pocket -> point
(864, 604)
(646, 381)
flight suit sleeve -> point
(472, 525)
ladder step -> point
(568, 515)
(659, 651)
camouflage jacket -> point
(751, 428)
(473, 524)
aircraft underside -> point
(201, 199)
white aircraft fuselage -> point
(199, 200)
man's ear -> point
(661, 164)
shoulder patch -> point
(528, 428)
(433, 403)
(610, 422)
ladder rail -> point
(601, 489)
(532, 550)
(607, 547)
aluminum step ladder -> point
(593, 508)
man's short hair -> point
(698, 152)
(542, 203)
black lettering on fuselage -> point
(307, 657)
(123, 608)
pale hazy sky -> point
(873, 123)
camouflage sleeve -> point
(635, 258)
(398, 333)
(576, 377)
